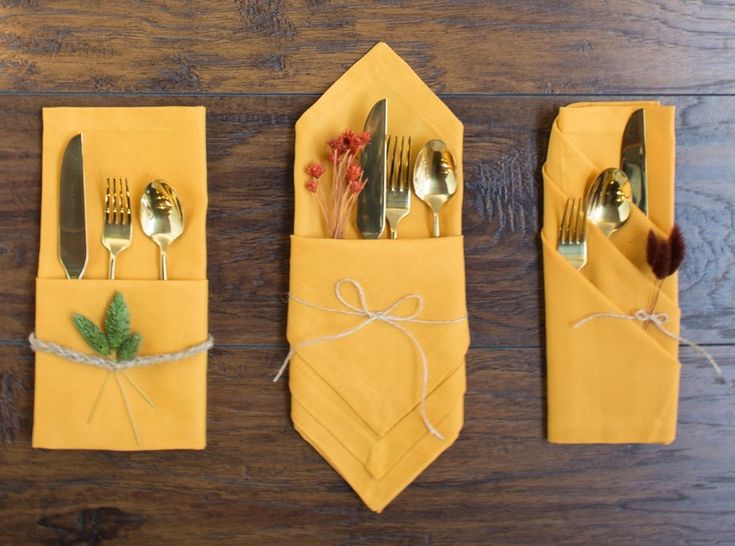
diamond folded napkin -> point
(161, 406)
(609, 381)
(378, 395)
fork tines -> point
(117, 231)
(117, 201)
(398, 190)
(573, 233)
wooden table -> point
(504, 69)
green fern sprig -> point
(116, 335)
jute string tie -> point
(38, 345)
(658, 320)
(386, 316)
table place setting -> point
(105, 284)
(377, 317)
(610, 252)
(377, 323)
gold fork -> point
(398, 191)
(117, 233)
(572, 243)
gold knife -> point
(371, 200)
(72, 220)
(633, 157)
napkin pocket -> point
(171, 316)
(609, 380)
(376, 369)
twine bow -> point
(386, 316)
(658, 320)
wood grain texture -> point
(258, 482)
(251, 212)
(293, 45)
(504, 68)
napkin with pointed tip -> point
(609, 381)
(358, 399)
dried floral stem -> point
(337, 202)
(654, 301)
(664, 256)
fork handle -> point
(111, 267)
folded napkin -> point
(609, 381)
(162, 406)
(361, 399)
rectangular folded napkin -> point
(360, 395)
(159, 406)
(609, 380)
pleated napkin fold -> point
(609, 381)
(361, 400)
(78, 406)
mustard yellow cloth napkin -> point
(358, 399)
(609, 381)
(78, 406)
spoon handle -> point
(436, 224)
(164, 268)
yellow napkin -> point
(141, 144)
(609, 381)
(357, 399)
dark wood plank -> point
(303, 45)
(251, 209)
(259, 482)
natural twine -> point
(121, 366)
(38, 345)
(658, 320)
(385, 316)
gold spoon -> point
(609, 200)
(434, 181)
(161, 217)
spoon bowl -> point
(609, 200)
(434, 179)
(161, 217)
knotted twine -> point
(112, 365)
(386, 316)
(658, 320)
(38, 345)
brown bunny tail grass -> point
(658, 254)
(651, 248)
(678, 249)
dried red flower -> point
(315, 170)
(356, 186)
(337, 145)
(354, 172)
(366, 137)
(337, 199)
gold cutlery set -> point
(433, 175)
(161, 216)
(609, 198)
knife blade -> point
(371, 200)
(72, 220)
(633, 157)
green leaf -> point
(117, 321)
(128, 350)
(92, 334)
